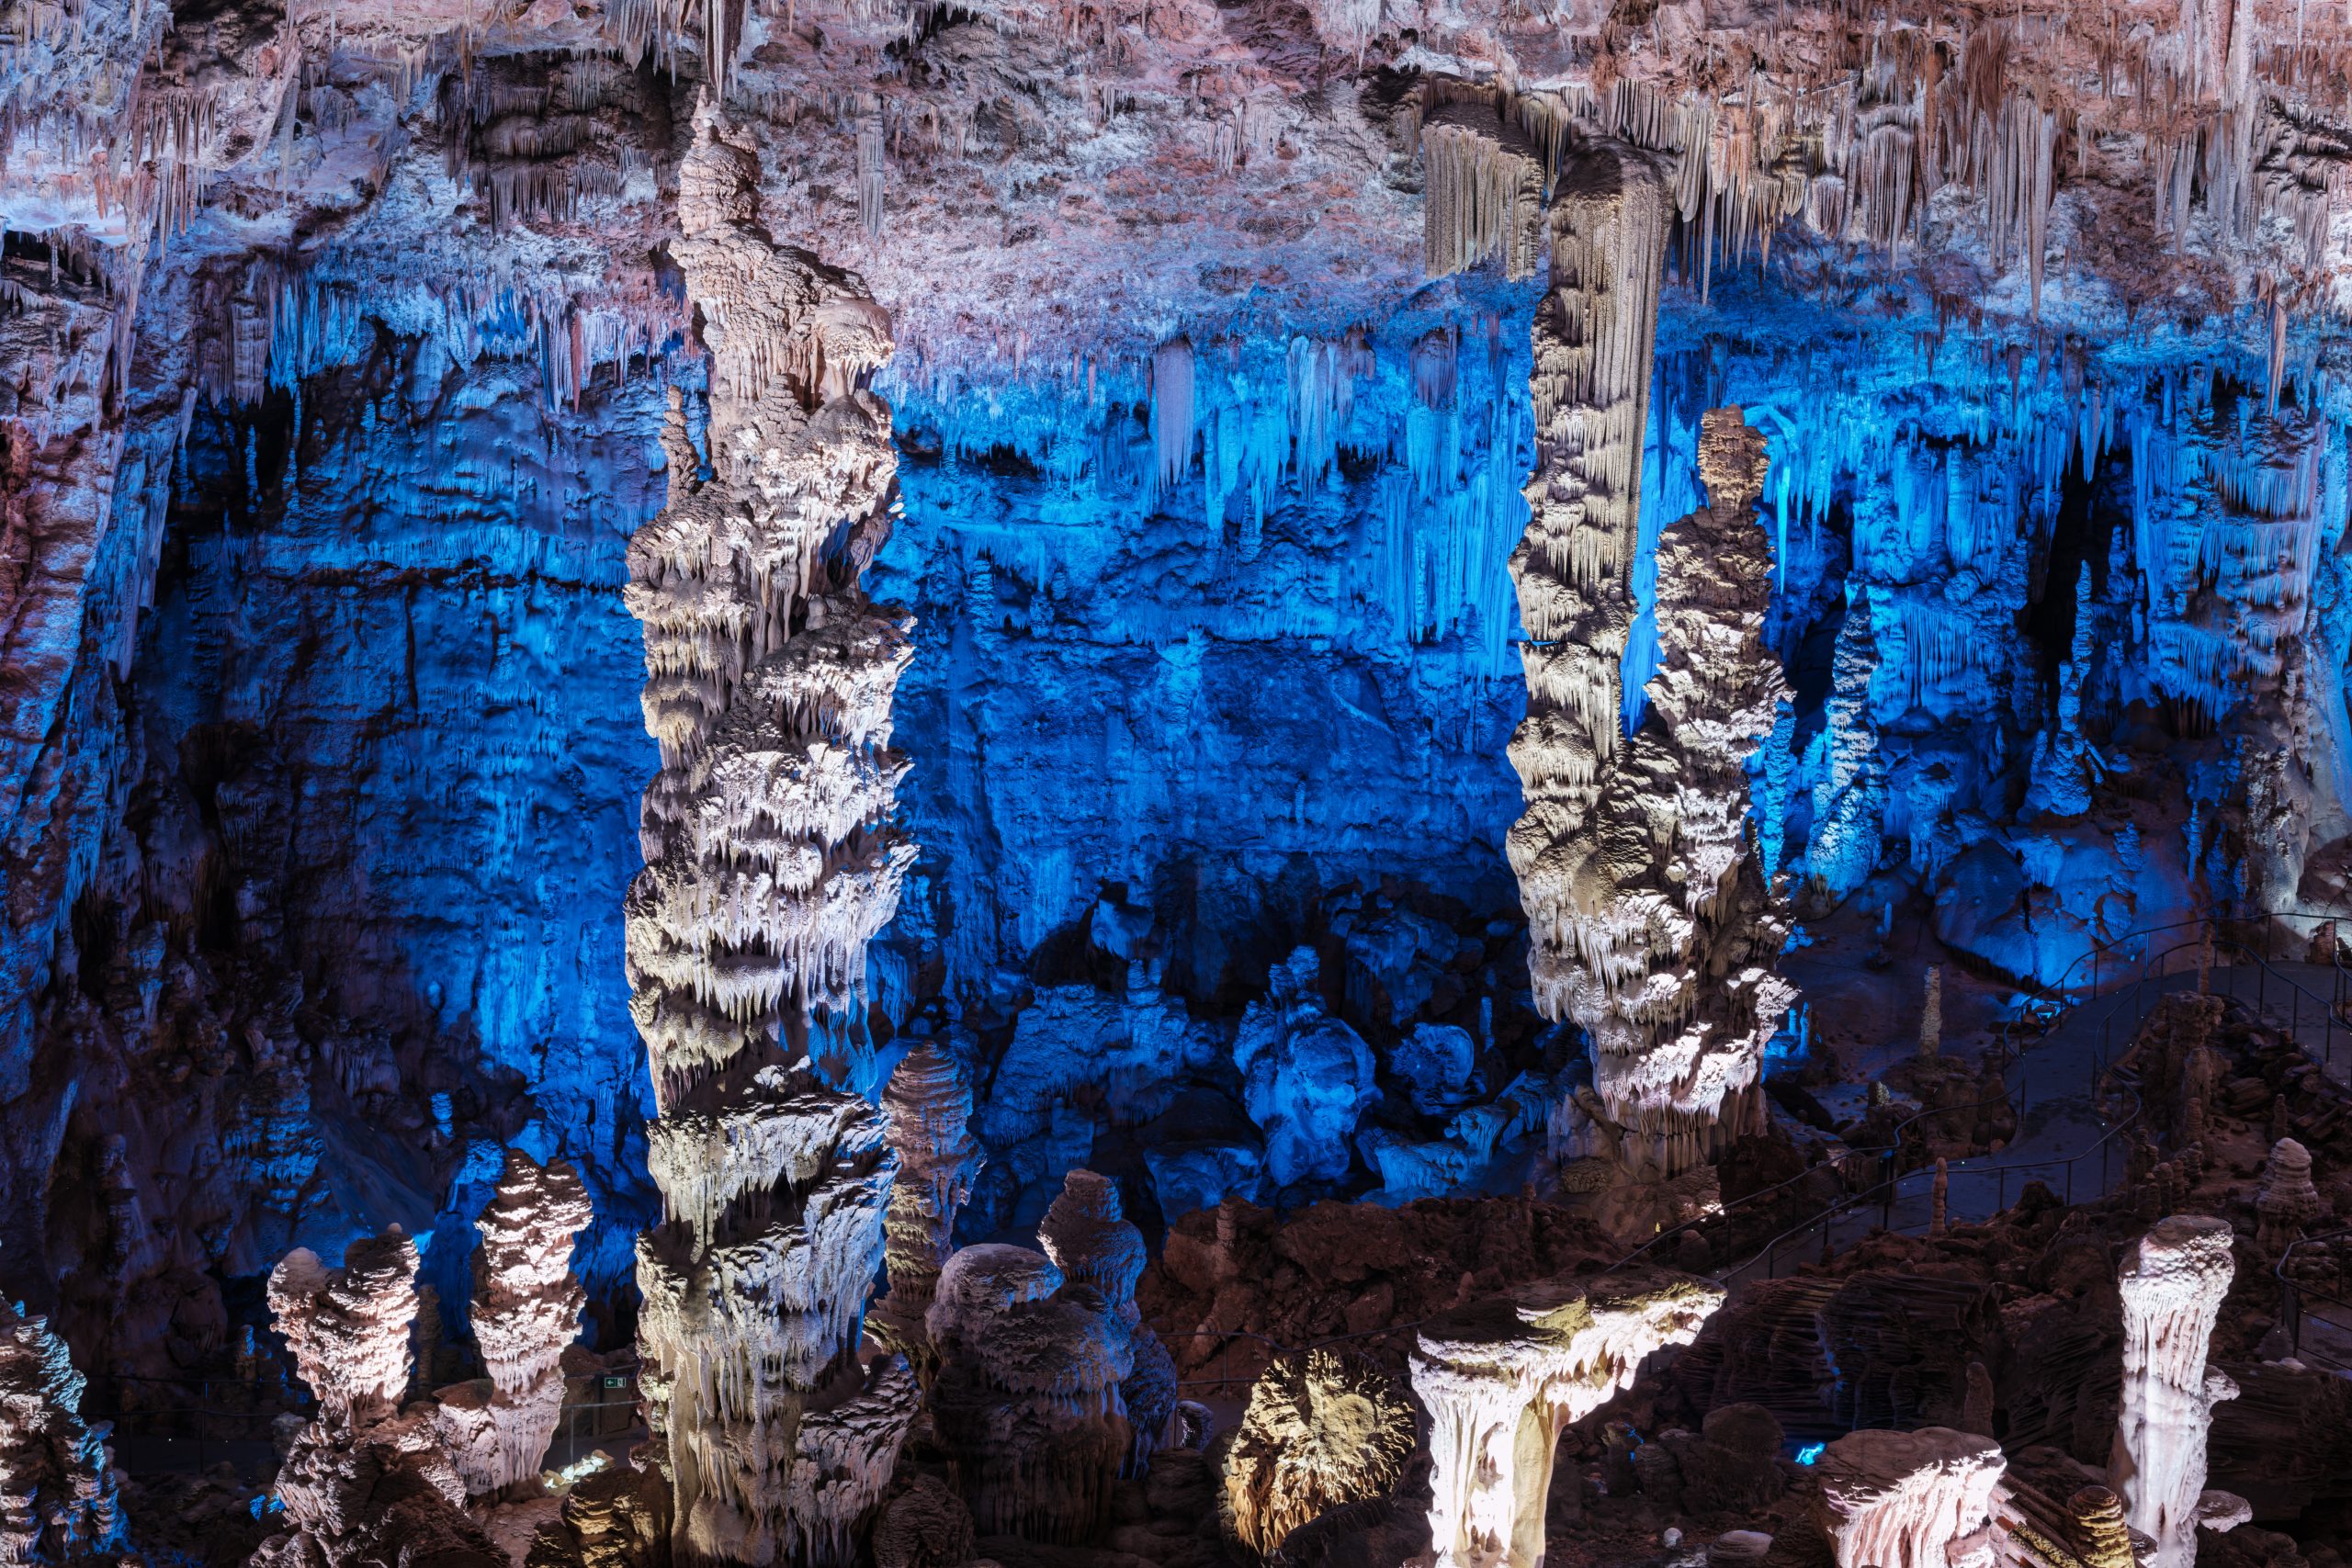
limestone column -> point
(771, 862)
(1595, 338)
(2172, 1285)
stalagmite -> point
(845, 1459)
(526, 1311)
(1028, 1401)
(1931, 1013)
(2288, 1200)
(1322, 1430)
(57, 1483)
(2172, 1286)
(363, 1482)
(929, 1103)
(2101, 1538)
(770, 861)
(1907, 1499)
(1501, 1378)
(1655, 928)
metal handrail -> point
(1886, 1192)
(2293, 1294)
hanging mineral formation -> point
(1501, 1380)
(2172, 1285)
(770, 861)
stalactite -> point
(1171, 413)
(770, 863)
(1485, 186)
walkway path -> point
(2063, 1140)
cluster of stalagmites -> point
(367, 1480)
(1049, 1384)
(770, 863)
(1651, 922)
(364, 1480)
(1323, 1432)
(57, 1484)
(1503, 1378)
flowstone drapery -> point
(2172, 1285)
(1917, 1499)
(364, 1482)
(770, 861)
(1501, 1378)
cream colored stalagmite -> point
(2172, 1286)
(1654, 927)
(1921, 1497)
(770, 863)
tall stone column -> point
(770, 861)
(2172, 1285)
(1595, 337)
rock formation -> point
(1917, 1499)
(845, 1459)
(2172, 1286)
(1669, 930)
(526, 1311)
(770, 861)
(1503, 1378)
(929, 1103)
(57, 1483)
(1307, 1076)
(1027, 1400)
(1322, 1431)
(363, 1482)
(2287, 1202)
(1594, 335)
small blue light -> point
(1810, 1452)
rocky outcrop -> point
(2172, 1285)
(1306, 1077)
(1503, 1379)
(57, 1483)
(770, 861)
